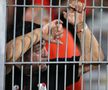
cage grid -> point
(22, 64)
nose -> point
(44, 52)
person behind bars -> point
(80, 33)
(53, 50)
(61, 67)
(29, 38)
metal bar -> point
(91, 49)
(60, 62)
(50, 19)
(41, 17)
(58, 47)
(75, 27)
(3, 42)
(38, 6)
(66, 46)
(23, 34)
(31, 67)
(53, 6)
(82, 46)
(100, 35)
(107, 64)
(14, 50)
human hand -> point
(53, 31)
(75, 9)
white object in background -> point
(42, 86)
(16, 87)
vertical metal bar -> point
(107, 64)
(31, 67)
(100, 35)
(50, 19)
(91, 52)
(41, 40)
(23, 34)
(107, 61)
(58, 47)
(83, 45)
(2, 42)
(66, 46)
(76, 4)
(14, 50)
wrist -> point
(81, 27)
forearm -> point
(90, 44)
(18, 45)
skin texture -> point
(36, 54)
(78, 10)
(96, 54)
(71, 17)
(35, 39)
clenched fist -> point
(75, 8)
(53, 31)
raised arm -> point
(28, 38)
(10, 47)
(90, 44)
(90, 41)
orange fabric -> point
(77, 85)
(62, 48)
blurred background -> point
(97, 20)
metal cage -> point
(94, 79)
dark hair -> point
(19, 18)
(20, 10)
(71, 30)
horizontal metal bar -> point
(53, 6)
(38, 6)
(67, 62)
(97, 7)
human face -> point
(35, 55)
